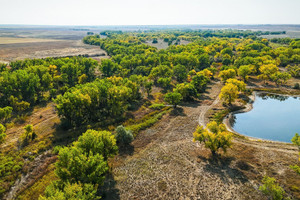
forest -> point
(95, 101)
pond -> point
(273, 117)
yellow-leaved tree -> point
(214, 137)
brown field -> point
(19, 51)
(12, 40)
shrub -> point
(76, 165)
(2, 133)
(70, 191)
(98, 142)
(123, 135)
(271, 188)
(297, 86)
(28, 136)
(173, 98)
(157, 106)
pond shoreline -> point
(248, 107)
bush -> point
(2, 133)
(70, 191)
(157, 106)
(98, 142)
(271, 188)
(123, 135)
(28, 136)
(297, 86)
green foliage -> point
(296, 168)
(271, 188)
(157, 106)
(215, 137)
(75, 165)
(70, 191)
(100, 100)
(2, 133)
(244, 71)
(187, 91)
(123, 135)
(5, 113)
(147, 121)
(180, 72)
(200, 81)
(219, 116)
(173, 98)
(28, 136)
(227, 74)
(98, 142)
(296, 140)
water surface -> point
(273, 117)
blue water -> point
(273, 117)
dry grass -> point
(13, 40)
(165, 164)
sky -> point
(149, 12)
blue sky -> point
(149, 12)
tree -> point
(244, 71)
(280, 78)
(148, 86)
(5, 113)
(271, 188)
(226, 74)
(200, 81)
(240, 84)
(215, 137)
(267, 71)
(98, 142)
(180, 72)
(161, 71)
(108, 67)
(173, 98)
(28, 136)
(2, 133)
(296, 140)
(187, 91)
(123, 135)
(70, 191)
(229, 93)
(76, 165)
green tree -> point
(280, 77)
(296, 140)
(267, 71)
(98, 142)
(108, 67)
(148, 87)
(123, 135)
(271, 188)
(75, 165)
(187, 91)
(180, 72)
(173, 98)
(227, 74)
(70, 192)
(244, 71)
(5, 113)
(215, 137)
